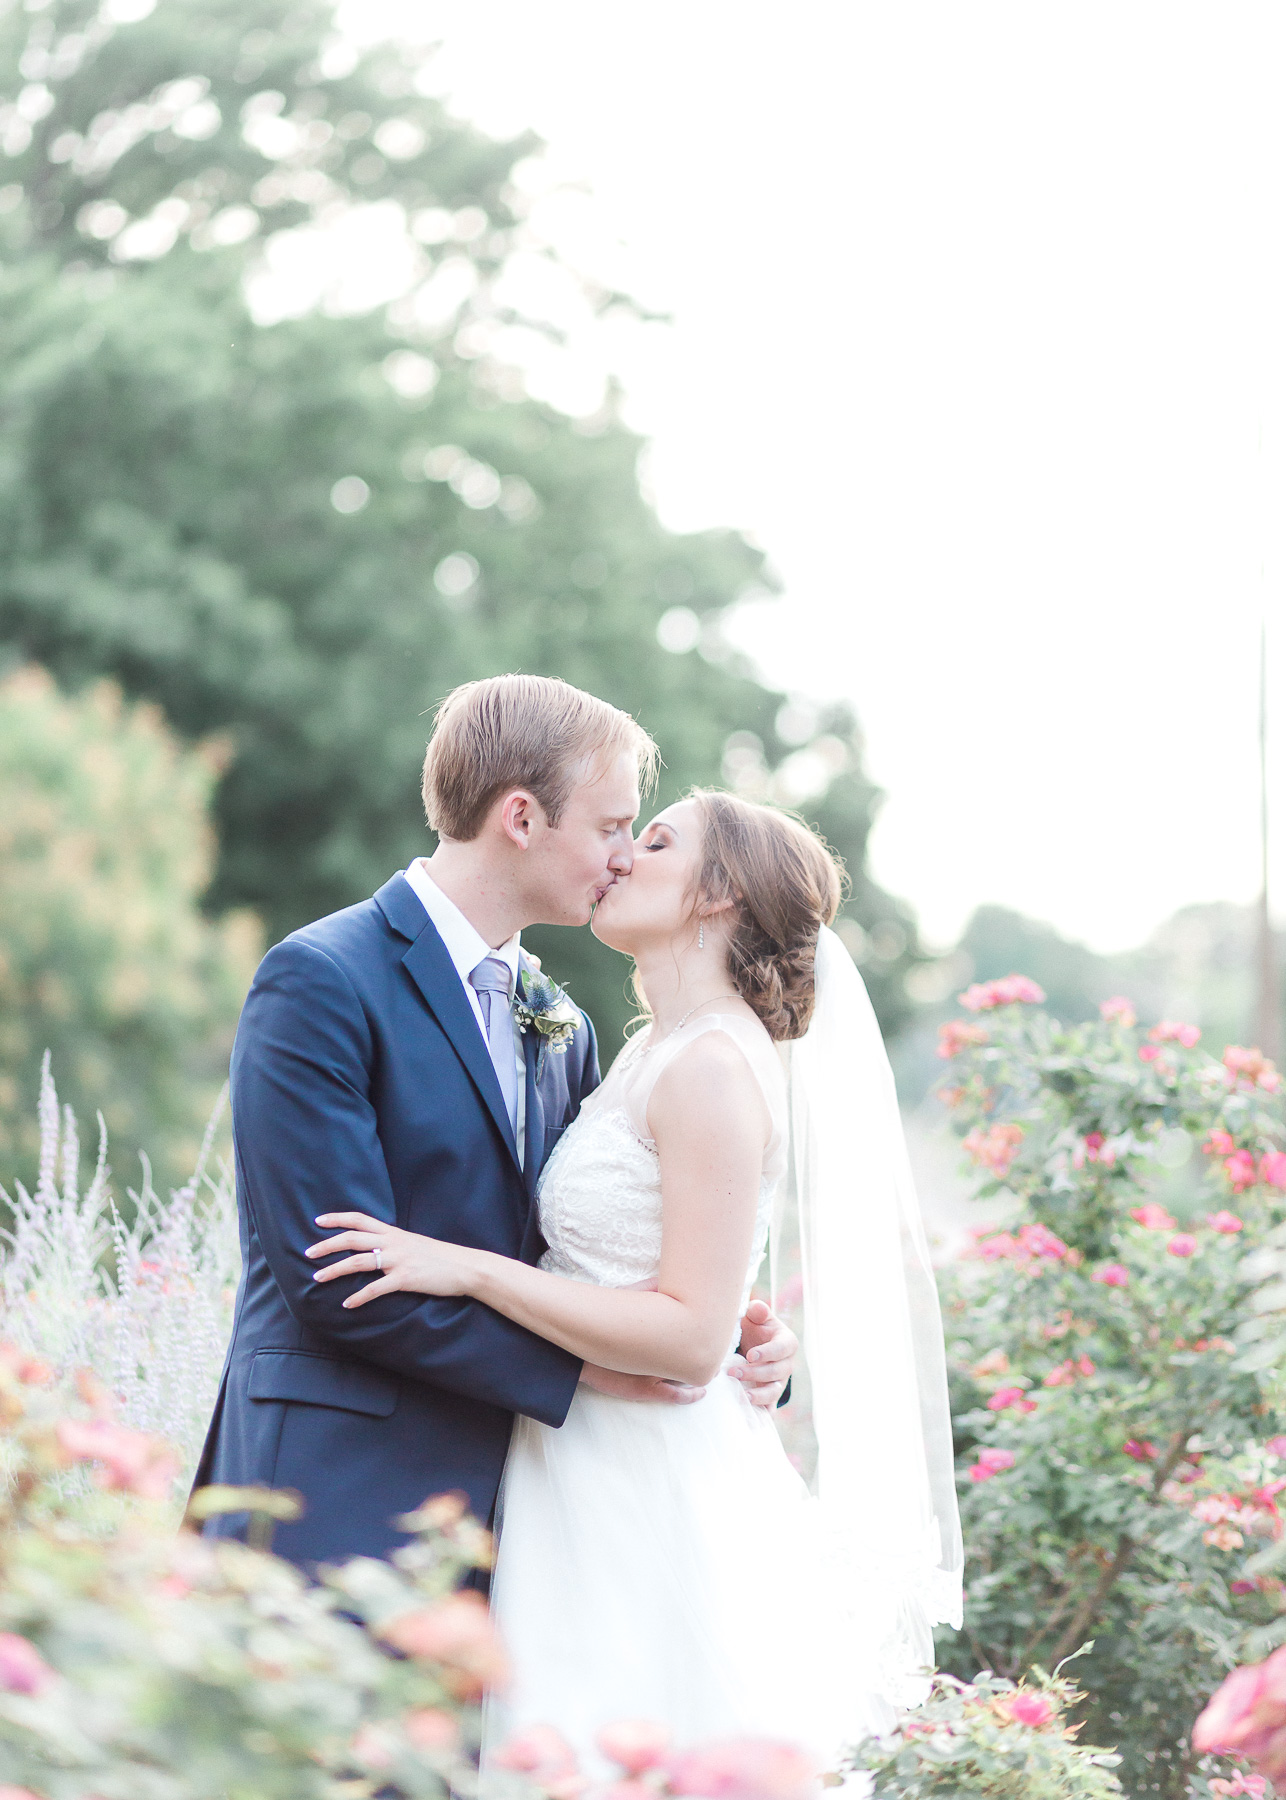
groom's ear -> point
(518, 815)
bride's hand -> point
(404, 1262)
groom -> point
(378, 1068)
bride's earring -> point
(701, 937)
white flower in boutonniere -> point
(545, 1008)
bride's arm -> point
(709, 1122)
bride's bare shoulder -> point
(710, 1081)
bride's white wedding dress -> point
(664, 1562)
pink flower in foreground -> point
(1241, 1170)
(957, 1035)
(1152, 1217)
(23, 1670)
(1172, 1031)
(744, 1769)
(1224, 1221)
(458, 1632)
(991, 1462)
(1272, 1169)
(1112, 1275)
(996, 1147)
(1120, 1009)
(1182, 1244)
(1009, 990)
(131, 1461)
(1250, 1068)
(636, 1744)
(1219, 1143)
(1005, 1397)
(1026, 1708)
(1246, 1716)
(1142, 1450)
(539, 1751)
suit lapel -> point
(433, 972)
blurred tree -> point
(105, 957)
(305, 532)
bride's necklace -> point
(697, 1008)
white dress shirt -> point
(467, 947)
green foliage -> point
(1119, 1465)
(972, 1739)
(167, 466)
(105, 957)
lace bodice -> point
(600, 1191)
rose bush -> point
(1113, 1354)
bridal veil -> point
(873, 1340)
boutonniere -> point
(546, 1009)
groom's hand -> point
(767, 1359)
(639, 1387)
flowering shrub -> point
(135, 1661)
(989, 1737)
(1114, 1352)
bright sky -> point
(979, 324)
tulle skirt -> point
(667, 1562)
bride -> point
(646, 1552)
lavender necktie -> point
(491, 981)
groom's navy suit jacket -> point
(361, 1083)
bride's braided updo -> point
(787, 884)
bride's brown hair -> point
(786, 883)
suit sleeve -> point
(307, 1144)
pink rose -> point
(991, 1462)
(539, 1751)
(744, 1769)
(1009, 990)
(1142, 1450)
(429, 1728)
(1182, 1244)
(957, 1035)
(996, 1147)
(1250, 1068)
(1276, 1446)
(1246, 1717)
(1241, 1170)
(457, 1632)
(1112, 1275)
(1005, 1397)
(1026, 1708)
(1224, 1221)
(1152, 1217)
(636, 1744)
(1171, 1031)
(1272, 1169)
(1219, 1143)
(1149, 1052)
(131, 1461)
(23, 1670)
(1120, 1009)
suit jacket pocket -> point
(312, 1380)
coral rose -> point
(636, 1744)
(1182, 1244)
(131, 1461)
(1241, 1170)
(1173, 1031)
(1112, 1275)
(957, 1035)
(996, 1147)
(1272, 1169)
(745, 1769)
(1120, 1010)
(1152, 1217)
(1224, 1221)
(457, 1632)
(1009, 990)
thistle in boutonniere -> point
(546, 1008)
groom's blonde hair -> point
(521, 731)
